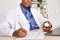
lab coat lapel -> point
(35, 15)
(22, 19)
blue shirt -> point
(30, 18)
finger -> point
(44, 28)
(24, 30)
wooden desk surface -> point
(46, 38)
(7, 38)
(52, 38)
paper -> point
(33, 35)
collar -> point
(23, 9)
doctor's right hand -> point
(20, 33)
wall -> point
(54, 12)
(6, 6)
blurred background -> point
(49, 9)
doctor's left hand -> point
(47, 26)
(20, 33)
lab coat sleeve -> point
(41, 18)
(7, 27)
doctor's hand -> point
(20, 33)
(47, 26)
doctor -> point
(23, 19)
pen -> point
(20, 25)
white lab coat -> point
(15, 17)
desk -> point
(46, 38)
(52, 38)
(7, 38)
